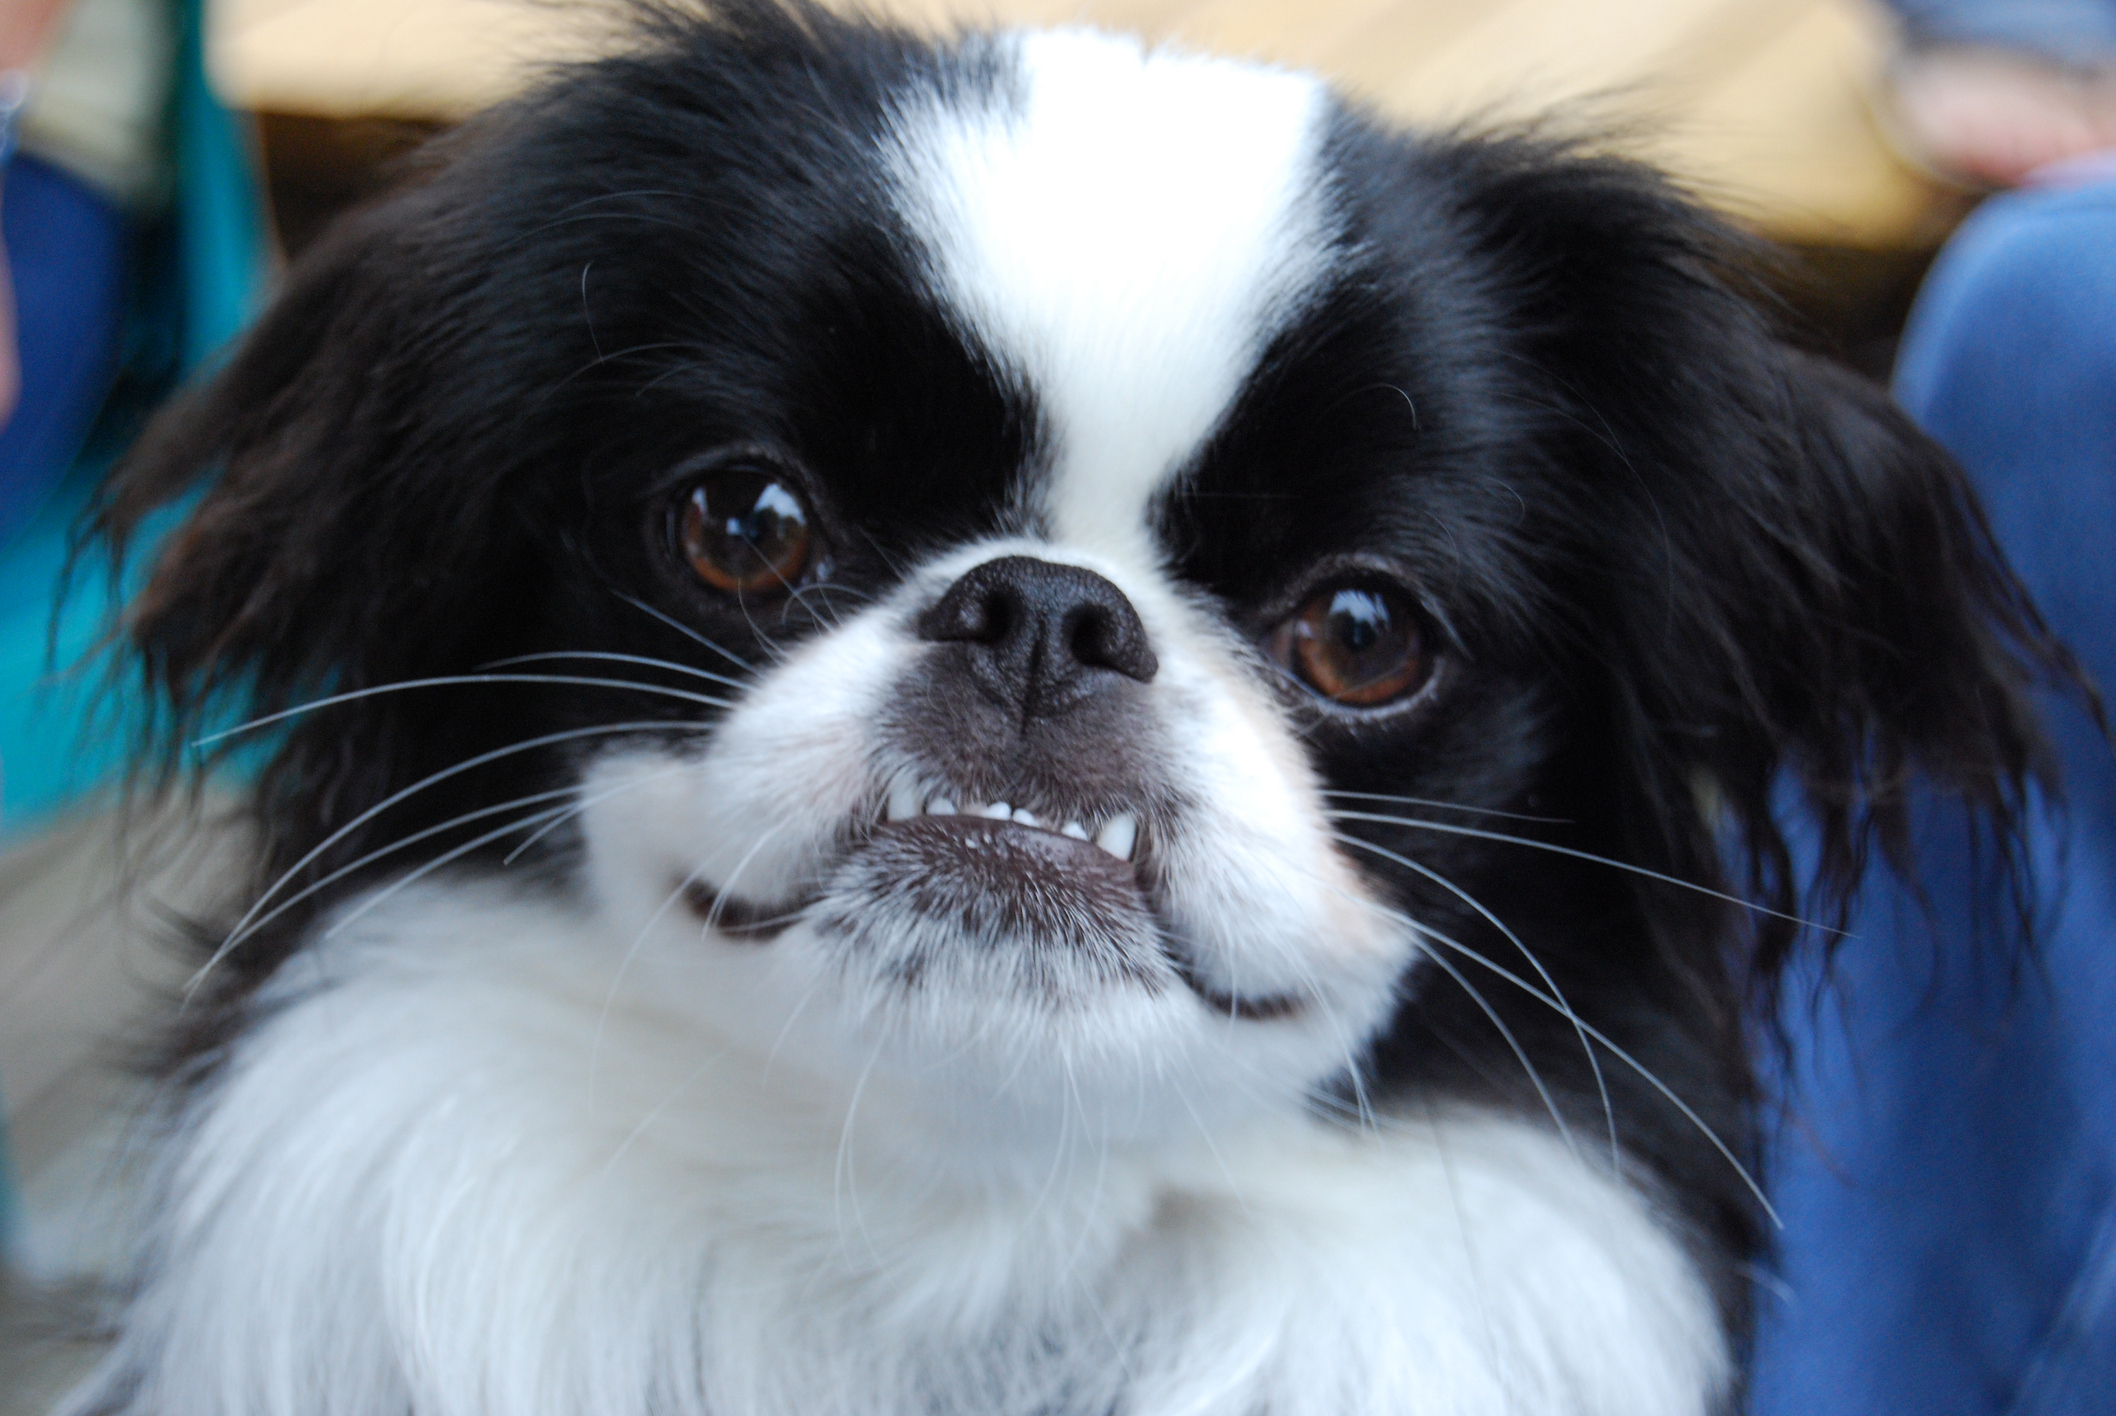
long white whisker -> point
(661, 1109)
(236, 938)
(385, 804)
(448, 679)
(686, 631)
(1600, 1083)
(1418, 933)
(624, 965)
(368, 903)
(1689, 1113)
(643, 660)
(845, 1174)
(1446, 805)
(1581, 855)
(629, 784)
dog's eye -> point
(745, 532)
(1354, 644)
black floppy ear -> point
(325, 462)
(1799, 609)
(1876, 647)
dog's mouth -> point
(1083, 882)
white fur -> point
(1249, 872)
(1124, 229)
(463, 1169)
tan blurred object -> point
(1762, 105)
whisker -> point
(686, 631)
(1446, 805)
(1418, 932)
(1453, 830)
(558, 814)
(369, 903)
(391, 849)
(221, 953)
(643, 660)
(1594, 1063)
(844, 1173)
(647, 1121)
(576, 808)
(448, 679)
(624, 965)
(1689, 1113)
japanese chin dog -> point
(1016, 725)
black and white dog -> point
(1020, 726)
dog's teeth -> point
(1025, 817)
(1073, 829)
(997, 811)
(903, 801)
(1118, 835)
(940, 806)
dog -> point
(1017, 725)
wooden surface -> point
(1762, 105)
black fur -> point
(1684, 578)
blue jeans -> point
(1948, 1172)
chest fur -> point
(481, 1180)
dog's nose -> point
(1041, 636)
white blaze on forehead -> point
(1125, 230)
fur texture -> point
(984, 967)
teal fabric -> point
(56, 741)
(61, 735)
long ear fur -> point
(388, 471)
(340, 446)
(1804, 593)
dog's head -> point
(1084, 582)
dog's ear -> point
(1864, 645)
(1798, 608)
(337, 525)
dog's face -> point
(1025, 808)
(1034, 579)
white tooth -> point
(998, 811)
(940, 806)
(903, 801)
(1073, 829)
(1118, 835)
(1025, 817)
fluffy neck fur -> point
(525, 1192)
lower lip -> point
(1025, 869)
(1006, 877)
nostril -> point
(1105, 640)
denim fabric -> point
(66, 247)
(1948, 1169)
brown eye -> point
(745, 532)
(1355, 645)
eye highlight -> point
(744, 531)
(1359, 645)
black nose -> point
(1040, 636)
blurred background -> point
(165, 158)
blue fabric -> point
(58, 737)
(1948, 1175)
(66, 248)
(2078, 31)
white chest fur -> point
(457, 1170)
